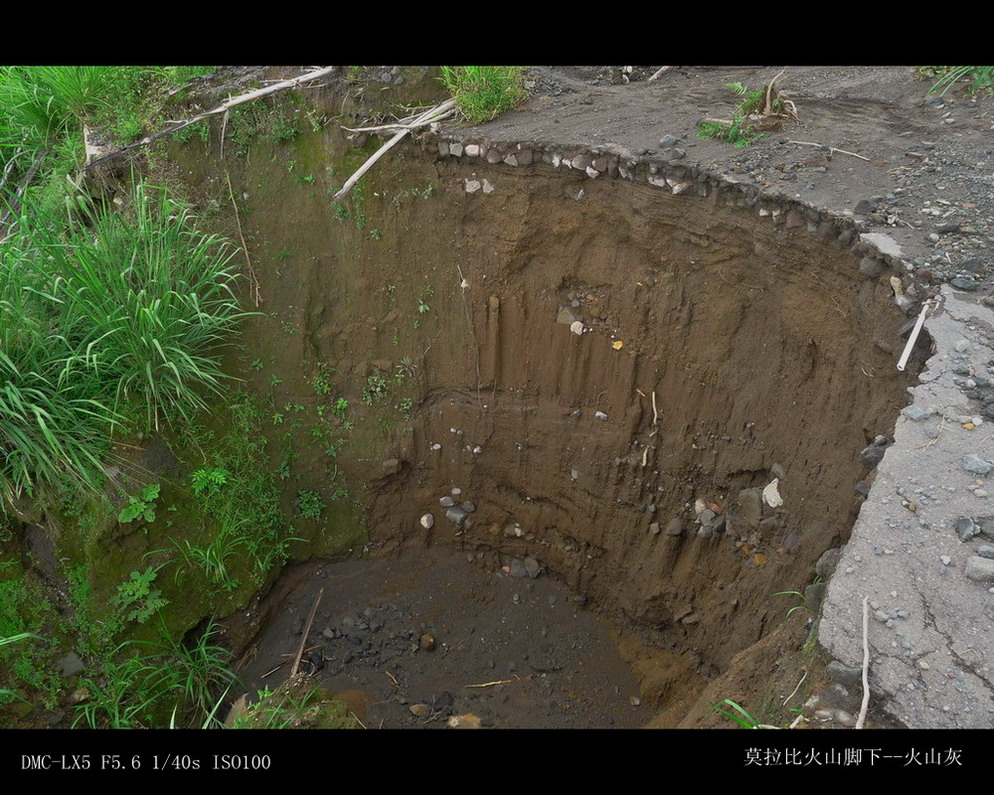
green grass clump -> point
(140, 691)
(112, 323)
(981, 77)
(484, 92)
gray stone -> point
(980, 569)
(455, 149)
(456, 515)
(391, 466)
(986, 551)
(532, 567)
(427, 521)
(674, 527)
(667, 141)
(494, 156)
(750, 507)
(581, 161)
(965, 528)
(885, 244)
(600, 415)
(472, 185)
(468, 506)
(916, 413)
(516, 568)
(655, 529)
(977, 465)
(487, 187)
(472, 150)
(446, 501)
(966, 285)
(862, 489)
(511, 159)
(777, 471)
(864, 206)
(525, 157)
(986, 525)
(844, 675)
(872, 455)
(566, 317)
(71, 664)
(825, 567)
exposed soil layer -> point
(765, 356)
(415, 641)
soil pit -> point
(414, 641)
(609, 372)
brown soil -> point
(765, 352)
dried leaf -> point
(771, 494)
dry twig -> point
(661, 71)
(303, 637)
(866, 665)
(248, 260)
(831, 149)
(498, 682)
(437, 113)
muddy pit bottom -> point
(555, 664)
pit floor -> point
(515, 652)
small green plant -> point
(309, 504)
(739, 133)
(275, 380)
(141, 505)
(209, 481)
(423, 307)
(795, 608)
(375, 389)
(483, 92)
(763, 104)
(406, 368)
(282, 255)
(257, 365)
(137, 599)
(981, 77)
(340, 408)
(322, 381)
(376, 234)
(739, 716)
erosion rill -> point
(612, 357)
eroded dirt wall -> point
(769, 352)
(761, 344)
